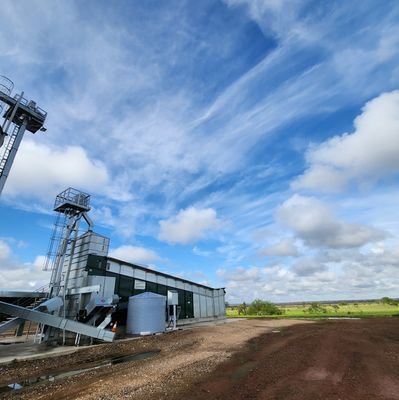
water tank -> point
(146, 314)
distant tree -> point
(335, 307)
(242, 308)
(316, 308)
(226, 304)
(389, 301)
(261, 307)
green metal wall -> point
(125, 286)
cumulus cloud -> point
(189, 225)
(240, 274)
(17, 275)
(333, 275)
(284, 248)
(202, 253)
(308, 266)
(369, 153)
(5, 250)
(134, 254)
(40, 170)
(314, 223)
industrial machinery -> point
(66, 259)
(19, 115)
(67, 307)
(76, 305)
(89, 291)
(60, 311)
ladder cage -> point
(7, 148)
(6, 85)
(58, 234)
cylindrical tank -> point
(146, 314)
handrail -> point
(7, 84)
(25, 102)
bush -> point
(389, 301)
(242, 309)
(261, 307)
(316, 308)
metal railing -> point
(6, 85)
(72, 196)
(25, 102)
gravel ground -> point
(249, 359)
(184, 357)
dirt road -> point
(350, 359)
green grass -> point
(370, 309)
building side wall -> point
(195, 301)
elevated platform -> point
(72, 199)
(36, 116)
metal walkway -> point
(56, 322)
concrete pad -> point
(28, 350)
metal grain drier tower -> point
(71, 206)
(73, 308)
(19, 115)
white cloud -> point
(308, 266)
(338, 274)
(17, 275)
(277, 16)
(42, 171)
(189, 225)
(369, 153)
(134, 254)
(284, 248)
(5, 250)
(240, 274)
(202, 253)
(314, 223)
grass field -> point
(369, 309)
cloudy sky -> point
(248, 144)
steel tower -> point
(22, 115)
(71, 206)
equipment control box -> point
(173, 298)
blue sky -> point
(237, 143)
